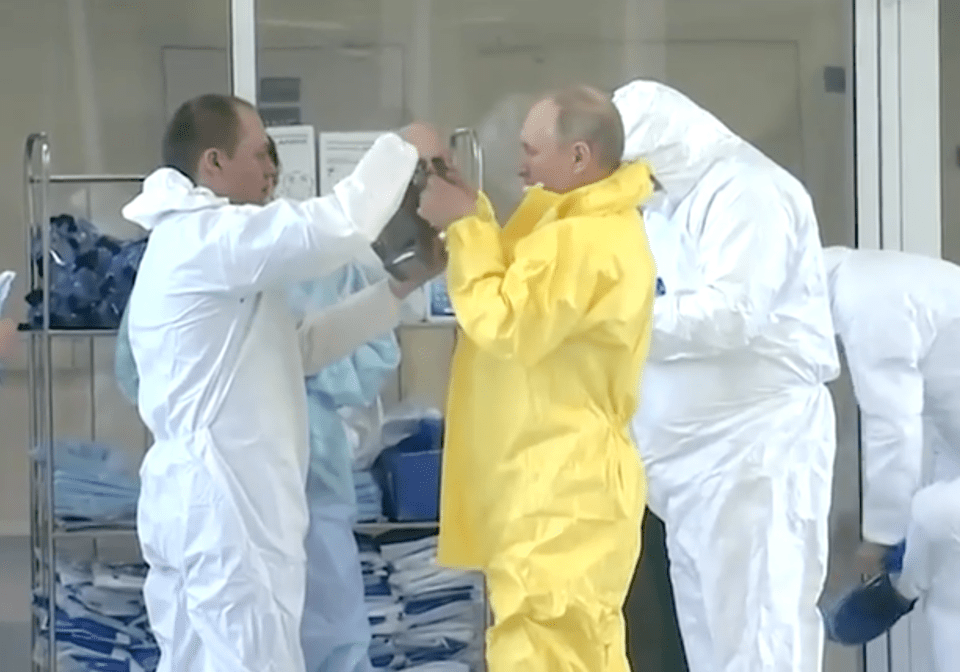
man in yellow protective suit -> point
(543, 489)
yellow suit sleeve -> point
(525, 310)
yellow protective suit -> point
(543, 489)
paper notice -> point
(339, 155)
(296, 148)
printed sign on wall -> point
(339, 155)
(296, 147)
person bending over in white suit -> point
(736, 427)
(222, 512)
(897, 316)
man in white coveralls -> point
(223, 511)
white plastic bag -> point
(370, 430)
(362, 426)
(403, 421)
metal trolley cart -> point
(46, 532)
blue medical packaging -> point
(409, 475)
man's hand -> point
(426, 139)
(444, 201)
(403, 289)
(869, 559)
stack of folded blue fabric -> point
(442, 619)
(369, 497)
(94, 484)
(101, 619)
(383, 607)
(91, 275)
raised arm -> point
(357, 379)
(329, 335)
(251, 247)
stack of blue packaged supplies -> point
(91, 275)
(93, 483)
(369, 497)
(383, 607)
(101, 619)
(423, 616)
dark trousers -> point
(653, 636)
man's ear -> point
(210, 160)
(581, 156)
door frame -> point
(897, 72)
(243, 49)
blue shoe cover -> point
(866, 612)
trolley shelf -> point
(65, 333)
(427, 325)
(121, 530)
(94, 531)
(373, 529)
(382, 528)
(86, 179)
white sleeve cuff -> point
(373, 192)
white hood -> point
(678, 138)
(166, 191)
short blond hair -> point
(586, 114)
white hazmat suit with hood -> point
(898, 317)
(223, 511)
(736, 426)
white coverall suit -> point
(736, 426)
(898, 317)
(223, 512)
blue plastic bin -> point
(409, 475)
